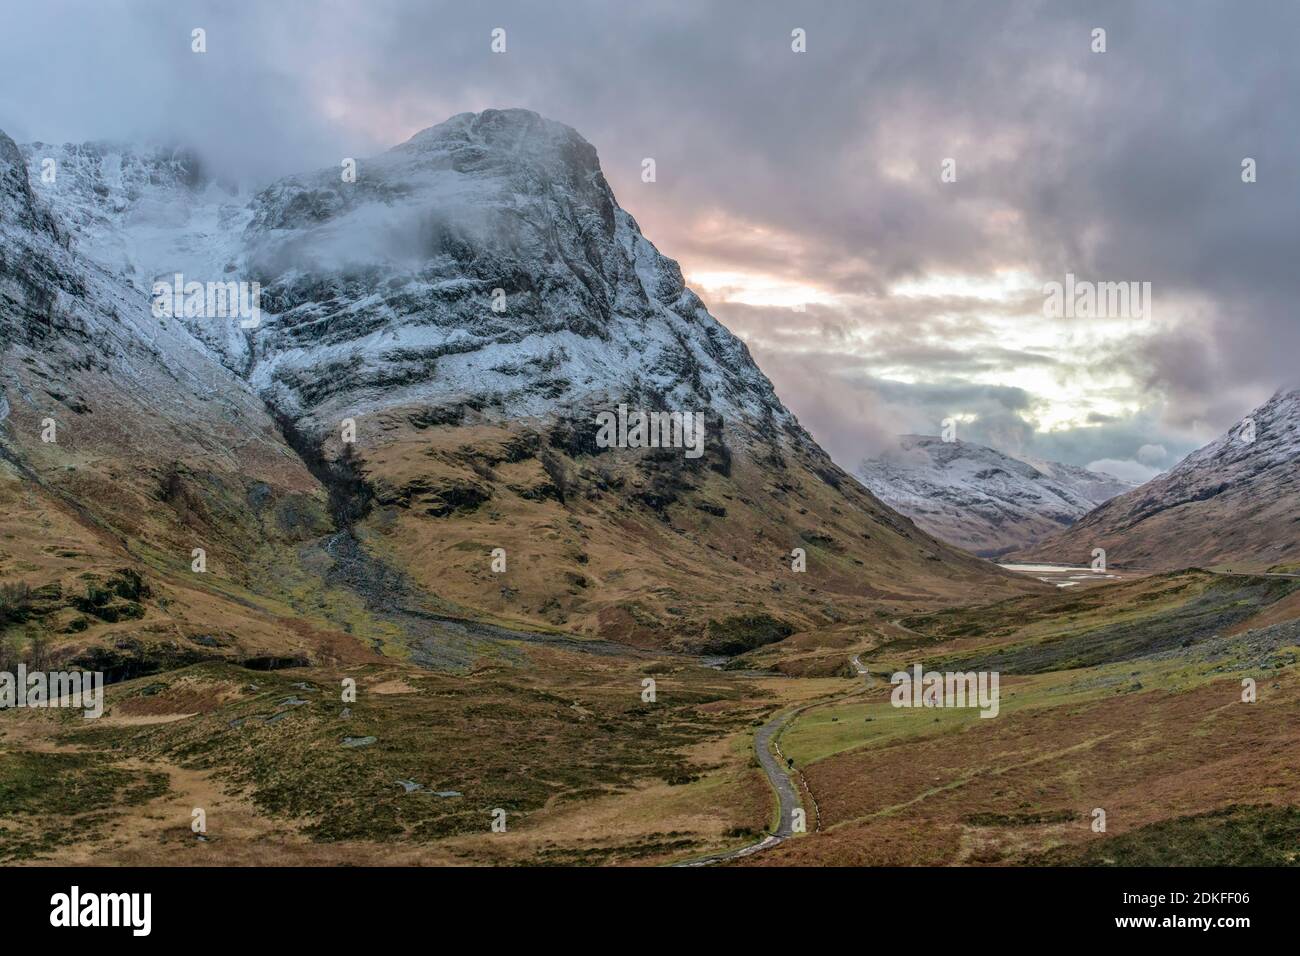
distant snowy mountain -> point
(980, 499)
(1235, 502)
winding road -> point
(780, 776)
(787, 793)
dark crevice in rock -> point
(350, 495)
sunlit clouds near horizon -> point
(980, 334)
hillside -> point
(1232, 503)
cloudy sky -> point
(802, 192)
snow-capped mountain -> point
(980, 499)
(79, 334)
(465, 302)
(384, 290)
(389, 283)
(1235, 503)
(101, 403)
(1094, 487)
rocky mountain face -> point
(1232, 503)
(97, 388)
(124, 446)
(384, 290)
(417, 392)
(980, 499)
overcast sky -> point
(802, 192)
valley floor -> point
(1124, 698)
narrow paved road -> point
(780, 776)
(778, 773)
(787, 793)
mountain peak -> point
(494, 126)
(514, 138)
(485, 260)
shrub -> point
(15, 600)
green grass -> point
(823, 731)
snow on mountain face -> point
(978, 498)
(1265, 441)
(1094, 487)
(1233, 501)
(381, 291)
(61, 289)
(145, 215)
(80, 346)
(378, 295)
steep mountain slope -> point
(980, 499)
(1234, 502)
(124, 446)
(475, 426)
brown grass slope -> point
(644, 546)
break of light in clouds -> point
(801, 192)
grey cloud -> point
(819, 168)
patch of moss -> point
(736, 635)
